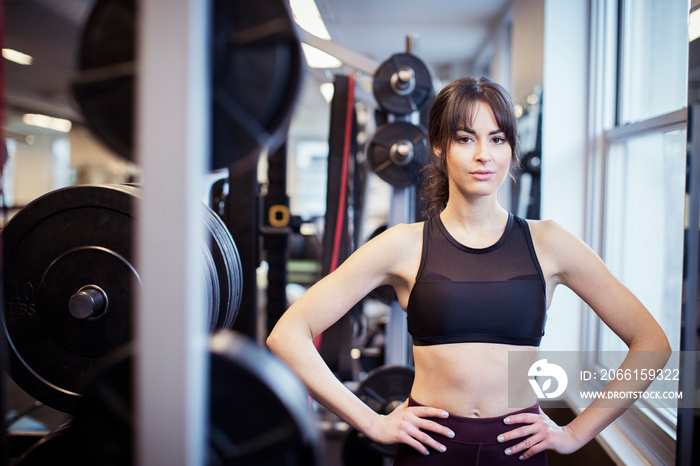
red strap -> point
(343, 186)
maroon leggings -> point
(474, 443)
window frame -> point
(652, 432)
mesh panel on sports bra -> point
(462, 294)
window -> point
(309, 173)
(639, 94)
(653, 58)
(644, 215)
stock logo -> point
(547, 372)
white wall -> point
(32, 169)
(93, 162)
(564, 136)
(41, 166)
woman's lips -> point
(481, 175)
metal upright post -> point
(173, 125)
(412, 44)
(402, 210)
(276, 235)
(687, 419)
(686, 427)
(242, 217)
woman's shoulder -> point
(408, 228)
(402, 234)
(546, 229)
(550, 237)
(554, 242)
(393, 250)
(551, 231)
(395, 242)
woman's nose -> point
(482, 153)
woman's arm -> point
(567, 260)
(389, 259)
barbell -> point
(402, 84)
(69, 280)
(398, 151)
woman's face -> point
(478, 161)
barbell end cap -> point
(405, 74)
(87, 302)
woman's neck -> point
(481, 213)
(477, 226)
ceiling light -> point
(327, 90)
(694, 25)
(17, 57)
(307, 16)
(43, 121)
(319, 59)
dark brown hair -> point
(454, 109)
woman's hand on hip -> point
(404, 424)
(540, 432)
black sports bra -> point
(491, 295)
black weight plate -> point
(55, 448)
(386, 386)
(211, 288)
(229, 270)
(384, 89)
(383, 390)
(257, 75)
(383, 161)
(222, 267)
(57, 244)
(358, 452)
(107, 99)
(212, 285)
(77, 237)
(259, 412)
(103, 418)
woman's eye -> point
(499, 140)
(464, 139)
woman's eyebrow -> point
(471, 131)
(467, 130)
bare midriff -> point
(474, 379)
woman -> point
(475, 281)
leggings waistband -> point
(479, 429)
